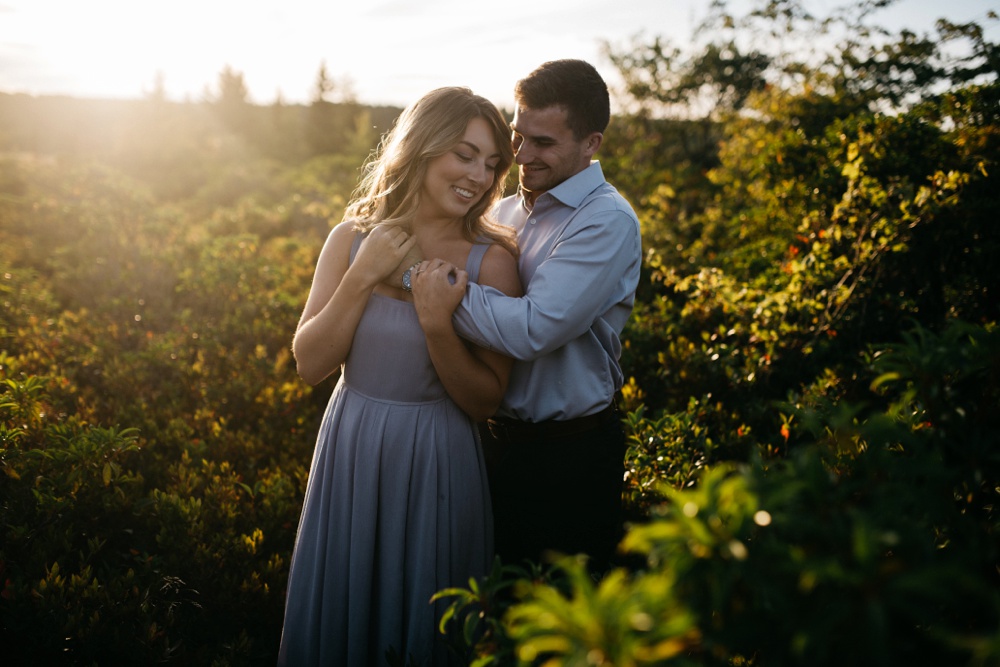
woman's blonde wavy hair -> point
(389, 191)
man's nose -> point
(522, 155)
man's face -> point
(545, 149)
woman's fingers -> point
(403, 240)
(383, 251)
(392, 238)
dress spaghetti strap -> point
(475, 259)
(472, 264)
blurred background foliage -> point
(813, 362)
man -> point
(556, 447)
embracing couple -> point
(477, 340)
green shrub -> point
(873, 542)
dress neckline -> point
(392, 298)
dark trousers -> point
(556, 492)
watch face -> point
(406, 280)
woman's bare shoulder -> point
(339, 240)
(499, 270)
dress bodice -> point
(389, 360)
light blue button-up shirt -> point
(581, 252)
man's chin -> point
(531, 184)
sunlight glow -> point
(389, 51)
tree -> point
(323, 87)
(159, 91)
(232, 88)
(232, 103)
(706, 84)
(331, 125)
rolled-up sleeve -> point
(592, 267)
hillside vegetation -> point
(813, 363)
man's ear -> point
(594, 142)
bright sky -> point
(392, 51)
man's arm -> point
(566, 294)
(475, 379)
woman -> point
(397, 504)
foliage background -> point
(814, 362)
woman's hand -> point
(412, 258)
(438, 288)
(381, 253)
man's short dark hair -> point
(572, 84)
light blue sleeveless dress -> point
(396, 508)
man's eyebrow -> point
(534, 137)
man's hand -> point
(438, 288)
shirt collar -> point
(574, 189)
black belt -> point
(509, 430)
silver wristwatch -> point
(407, 278)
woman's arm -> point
(474, 378)
(339, 293)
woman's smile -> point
(458, 178)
